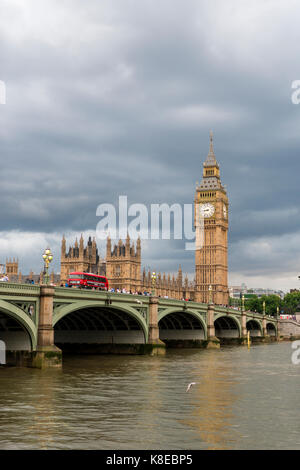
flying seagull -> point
(189, 386)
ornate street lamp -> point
(243, 303)
(210, 294)
(47, 257)
(153, 277)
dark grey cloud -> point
(105, 99)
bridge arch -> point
(17, 329)
(255, 327)
(227, 326)
(271, 329)
(96, 323)
(181, 324)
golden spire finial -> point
(211, 148)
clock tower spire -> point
(211, 147)
(211, 222)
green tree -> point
(272, 302)
(253, 304)
(291, 301)
(256, 304)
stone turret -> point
(138, 248)
(81, 247)
(123, 265)
(94, 248)
(127, 246)
(108, 248)
(179, 278)
(63, 247)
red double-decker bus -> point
(87, 281)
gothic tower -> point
(80, 258)
(211, 223)
(123, 265)
(12, 269)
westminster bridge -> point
(38, 323)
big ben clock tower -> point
(211, 222)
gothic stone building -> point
(80, 258)
(122, 268)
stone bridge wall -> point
(289, 328)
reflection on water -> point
(212, 405)
(243, 399)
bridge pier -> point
(277, 330)
(244, 332)
(46, 354)
(154, 346)
(266, 336)
(212, 341)
(264, 325)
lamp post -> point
(210, 294)
(47, 257)
(264, 307)
(153, 277)
(243, 303)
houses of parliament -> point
(122, 263)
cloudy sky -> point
(108, 98)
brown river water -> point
(243, 399)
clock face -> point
(224, 211)
(207, 210)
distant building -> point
(12, 269)
(236, 292)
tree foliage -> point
(291, 301)
(287, 305)
(256, 304)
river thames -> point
(243, 399)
